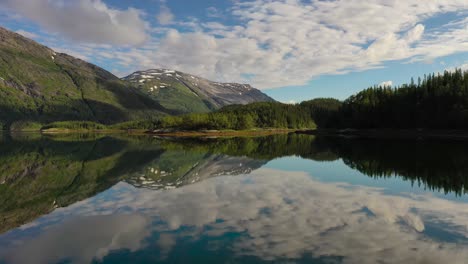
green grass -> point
(138, 124)
(75, 125)
(176, 96)
(26, 126)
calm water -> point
(277, 199)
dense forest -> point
(438, 101)
(242, 117)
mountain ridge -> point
(203, 95)
(40, 85)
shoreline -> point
(223, 133)
(351, 133)
(168, 133)
(390, 133)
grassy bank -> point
(223, 133)
(143, 127)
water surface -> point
(286, 199)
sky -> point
(293, 50)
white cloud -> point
(305, 216)
(84, 20)
(463, 67)
(165, 15)
(27, 34)
(290, 42)
(213, 12)
(386, 84)
(333, 37)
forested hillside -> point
(38, 84)
(437, 101)
(241, 117)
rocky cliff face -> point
(188, 93)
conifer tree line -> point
(436, 101)
(243, 117)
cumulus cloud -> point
(282, 214)
(165, 15)
(84, 20)
(386, 84)
(291, 42)
(333, 37)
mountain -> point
(187, 93)
(39, 84)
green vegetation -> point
(323, 110)
(25, 126)
(438, 101)
(244, 117)
(36, 84)
(148, 124)
(176, 96)
(74, 125)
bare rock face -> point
(195, 93)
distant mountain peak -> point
(193, 93)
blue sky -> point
(293, 50)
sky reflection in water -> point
(280, 212)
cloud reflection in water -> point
(284, 214)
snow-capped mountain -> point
(186, 93)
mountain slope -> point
(38, 84)
(187, 93)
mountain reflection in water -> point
(119, 199)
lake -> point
(275, 199)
